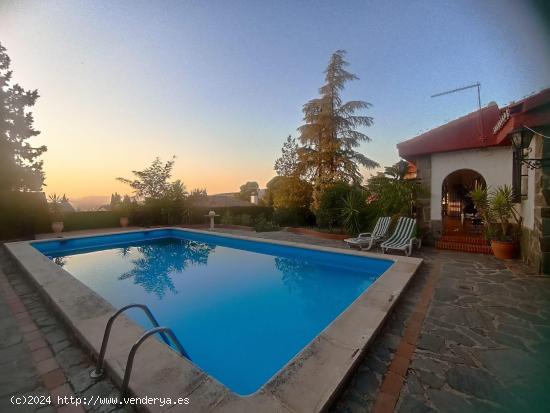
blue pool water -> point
(241, 309)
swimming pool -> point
(242, 309)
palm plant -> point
(398, 171)
(480, 198)
(502, 210)
(353, 211)
(56, 208)
(496, 208)
(392, 193)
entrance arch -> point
(458, 213)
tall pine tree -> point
(20, 168)
(329, 136)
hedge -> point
(294, 217)
(23, 214)
(197, 214)
(90, 220)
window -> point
(517, 176)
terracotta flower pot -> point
(57, 226)
(504, 250)
(124, 222)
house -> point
(259, 196)
(222, 200)
(492, 146)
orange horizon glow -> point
(75, 180)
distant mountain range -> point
(90, 203)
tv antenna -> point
(475, 85)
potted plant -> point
(56, 213)
(124, 221)
(125, 209)
(505, 232)
(502, 222)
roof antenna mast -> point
(478, 86)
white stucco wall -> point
(494, 164)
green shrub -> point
(344, 206)
(331, 202)
(293, 217)
(197, 214)
(393, 196)
(244, 219)
(289, 192)
(163, 211)
(23, 214)
(263, 225)
(227, 218)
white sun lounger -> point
(367, 239)
(403, 237)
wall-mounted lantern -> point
(521, 142)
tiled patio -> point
(38, 356)
(470, 334)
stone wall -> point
(430, 228)
(535, 242)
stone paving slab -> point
(484, 344)
(37, 354)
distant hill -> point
(90, 203)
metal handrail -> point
(130, 362)
(98, 371)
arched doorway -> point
(459, 215)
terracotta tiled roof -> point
(532, 111)
(461, 133)
(464, 132)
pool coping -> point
(309, 382)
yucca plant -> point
(353, 211)
(496, 208)
(56, 207)
(480, 197)
(502, 211)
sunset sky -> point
(220, 84)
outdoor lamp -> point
(520, 142)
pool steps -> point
(98, 372)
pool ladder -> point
(164, 332)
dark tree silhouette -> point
(20, 168)
(153, 181)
